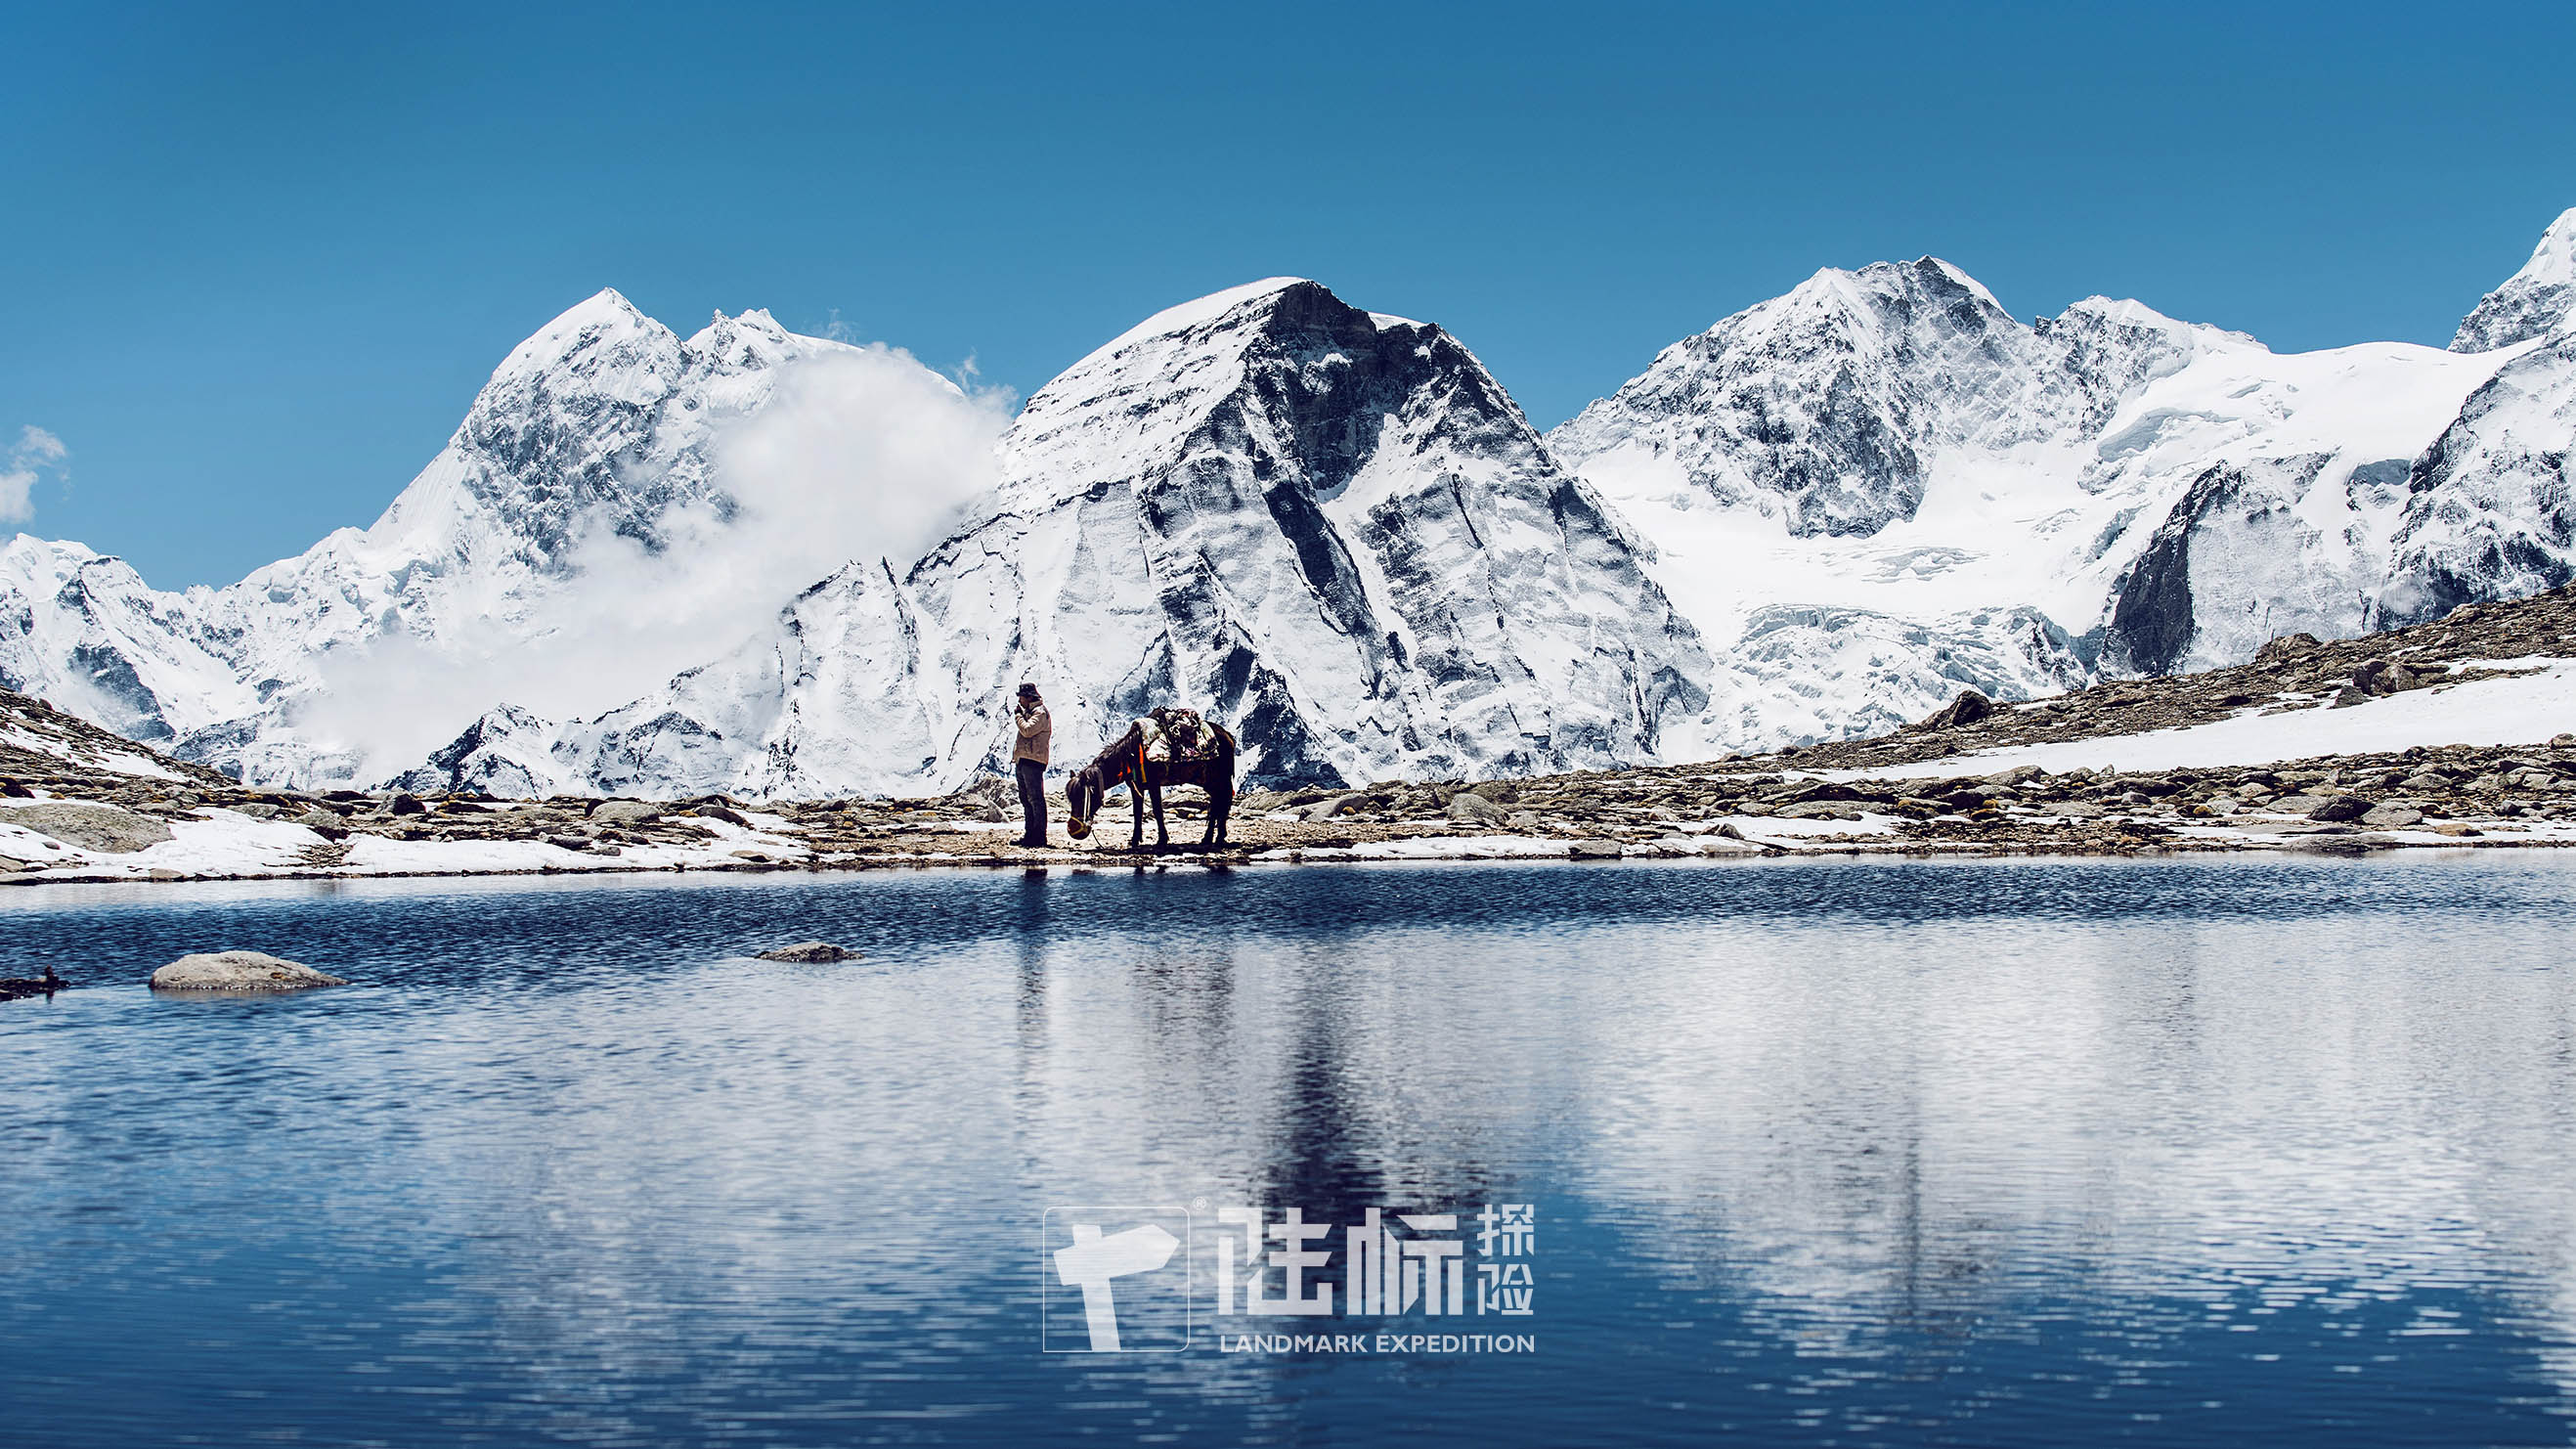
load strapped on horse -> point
(1176, 734)
(1169, 746)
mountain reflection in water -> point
(2016, 1153)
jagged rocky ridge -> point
(1337, 529)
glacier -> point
(1821, 517)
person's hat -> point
(1028, 691)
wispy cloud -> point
(36, 453)
(856, 455)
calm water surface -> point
(2037, 1153)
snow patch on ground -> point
(1772, 830)
(226, 843)
(120, 762)
(2521, 710)
(1439, 847)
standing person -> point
(1029, 762)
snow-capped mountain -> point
(1330, 526)
(556, 510)
(768, 564)
(84, 630)
(1884, 484)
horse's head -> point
(1082, 795)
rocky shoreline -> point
(89, 806)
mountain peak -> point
(1873, 296)
(1191, 315)
(2532, 301)
(1949, 273)
(604, 319)
(1130, 401)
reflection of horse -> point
(1124, 763)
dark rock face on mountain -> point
(2239, 529)
(2151, 620)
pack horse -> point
(1166, 748)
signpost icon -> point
(1120, 1259)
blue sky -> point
(255, 260)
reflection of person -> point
(1029, 762)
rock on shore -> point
(91, 827)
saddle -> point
(1176, 734)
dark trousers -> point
(1032, 801)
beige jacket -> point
(1035, 728)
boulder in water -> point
(821, 953)
(239, 971)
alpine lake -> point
(2028, 1153)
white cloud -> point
(36, 452)
(857, 455)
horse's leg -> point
(1136, 798)
(1220, 811)
(1162, 835)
